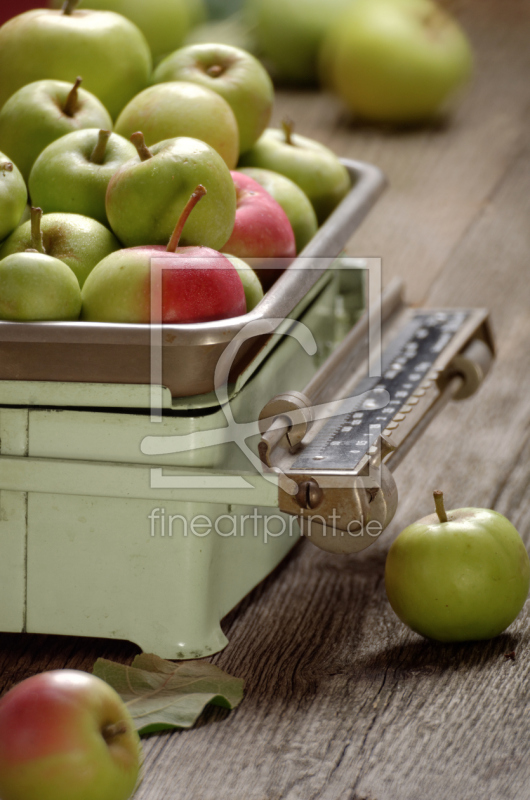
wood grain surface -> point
(342, 701)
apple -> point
(458, 576)
(290, 32)
(261, 228)
(145, 197)
(79, 241)
(107, 50)
(231, 72)
(262, 231)
(164, 23)
(396, 61)
(66, 735)
(311, 165)
(34, 286)
(292, 199)
(43, 111)
(198, 284)
(168, 110)
(198, 12)
(249, 278)
(72, 174)
(13, 196)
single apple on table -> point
(81, 242)
(396, 61)
(231, 72)
(145, 197)
(311, 165)
(164, 23)
(72, 174)
(197, 284)
(292, 199)
(35, 287)
(173, 109)
(458, 575)
(109, 51)
(66, 735)
(13, 196)
(43, 111)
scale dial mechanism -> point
(334, 445)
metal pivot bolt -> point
(309, 494)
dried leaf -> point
(161, 695)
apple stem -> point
(215, 70)
(98, 153)
(69, 6)
(440, 508)
(37, 240)
(113, 730)
(199, 192)
(6, 166)
(288, 129)
(139, 142)
(72, 101)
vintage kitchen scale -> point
(137, 498)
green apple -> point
(168, 110)
(292, 199)
(290, 32)
(66, 735)
(231, 72)
(13, 196)
(197, 11)
(311, 165)
(249, 279)
(197, 284)
(36, 287)
(458, 576)
(396, 61)
(72, 173)
(107, 50)
(42, 112)
(79, 241)
(164, 23)
(145, 197)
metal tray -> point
(91, 352)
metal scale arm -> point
(334, 445)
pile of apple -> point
(132, 178)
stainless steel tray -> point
(90, 352)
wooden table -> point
(342, 701)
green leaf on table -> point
(162, 695)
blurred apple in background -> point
(13, 196)
(72, 174)
(197, 284)
(66, 735)
(311, 165)
(289, 34)
(79, 241)
(231, 72)
(107, 50)
(168, 110)
(292, 199)
(395, 61)
(43, 111)
(145, 197)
